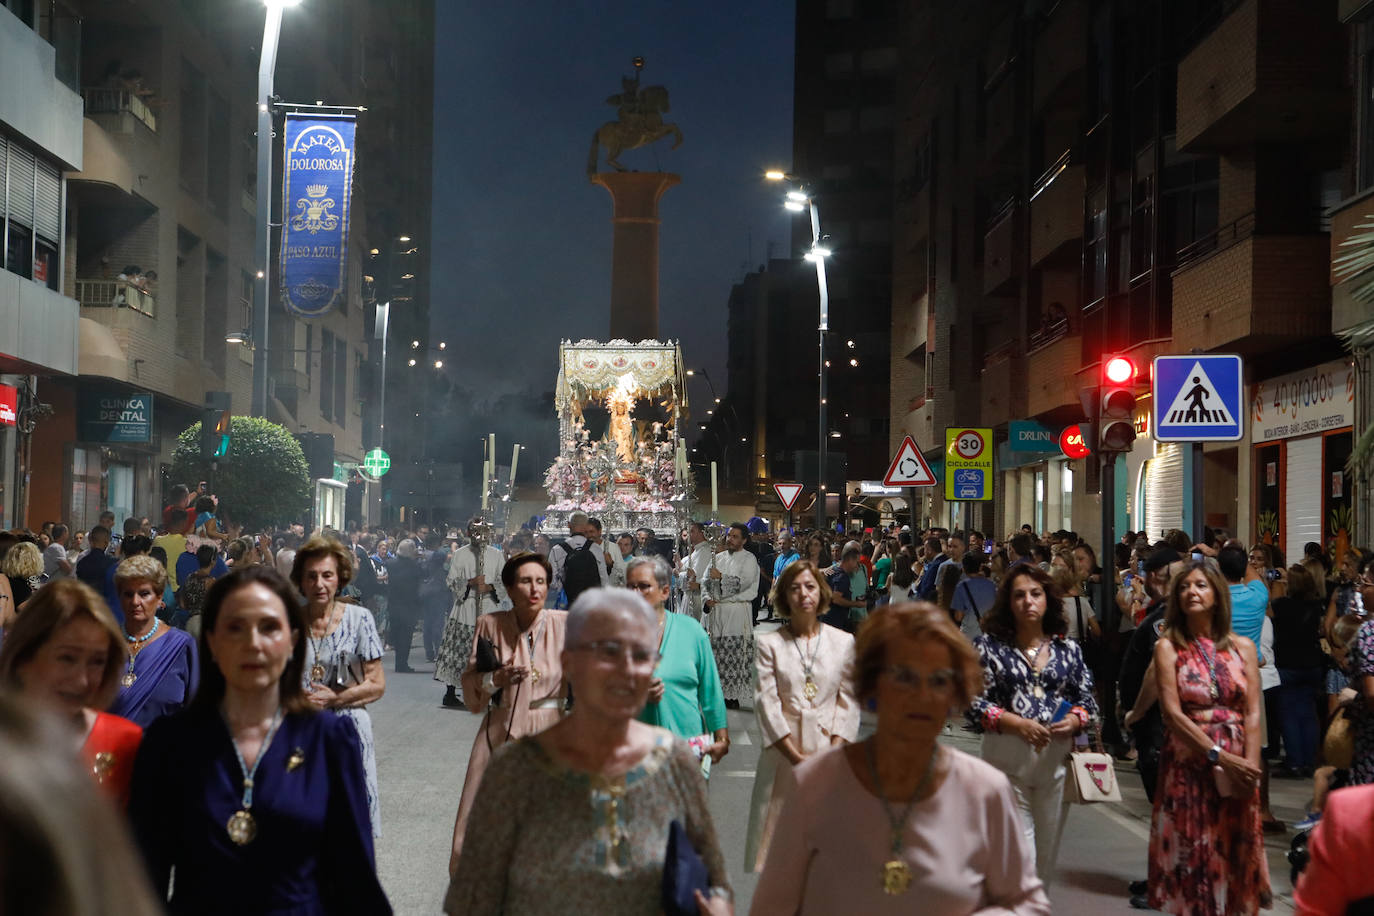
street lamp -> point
(267, 65)
(798, 200)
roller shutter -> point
(20, 197)
(1164, 490)
(47, 217)
(1302, 494)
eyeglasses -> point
(939, 681)
(612, 651)
(646, 586)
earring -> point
(871, 704)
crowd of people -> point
(603, 665)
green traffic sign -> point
(377, 462)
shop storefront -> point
(1041, 486)
(1301, 430)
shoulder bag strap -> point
(1078, 609)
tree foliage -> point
(263, 482)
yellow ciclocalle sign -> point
(968, 464)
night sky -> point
(521, 242)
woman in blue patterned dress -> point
(343, 651)
(1038, 696)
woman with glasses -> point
(524, 694)
(576, 819)
(803, 701)
(897, 824)
(684, 694)
(1039, 695)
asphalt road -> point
(422, 751)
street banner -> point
(317, 189)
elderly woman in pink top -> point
(898, 823)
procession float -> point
(622, 458)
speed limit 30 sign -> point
(968, 463)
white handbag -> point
(1092, 778)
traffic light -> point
(214, 426)
(1116, 404)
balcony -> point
(117, 294)
(1347, 220)
(1272, 70)
(118, 108)
(1050, 373)
(1059, 56)
(1003, 385)
(999, 248)
(1252, 293)
(1056, 212)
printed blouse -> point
(1010, 684)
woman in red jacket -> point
(67, 653)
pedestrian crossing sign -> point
(1198, 398)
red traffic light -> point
(1119, 370)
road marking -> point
(742, 738)
(1133, 824)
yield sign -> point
(788, 493)
(908, 469)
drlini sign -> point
(1071, 443)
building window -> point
(1188, 199)
(839, 121)
(340, 381)
(839, 64)
(1364, 153)
(30, 214)
(327, 375)
(878, 60)
(875, 119)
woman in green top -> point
(882, 568)
(684, 695)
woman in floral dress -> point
(1206, 845)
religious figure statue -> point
(622, 429)
(640, 113)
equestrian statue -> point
(640, 122)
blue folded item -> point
(683, 873)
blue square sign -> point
(1198, 398)
(968, 483)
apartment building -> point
(1090, 177)
(1351, 309)
(165, 186)
(40, 139)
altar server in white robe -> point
(694, 569)
(732, 583)
(475, 592)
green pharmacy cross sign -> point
(376, 462)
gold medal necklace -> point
(241, 826)
(811, 688)
(317, 669)
(896, 873)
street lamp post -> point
(798, 201)
(267, 65)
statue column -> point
(634, 254)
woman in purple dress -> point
(253, 796)
(162, 671)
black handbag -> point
(487, 659)
(683, 873)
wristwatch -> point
(1214, 754)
